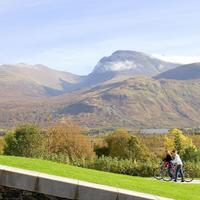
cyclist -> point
(179, 165)
(167, 162)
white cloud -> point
(178, 59)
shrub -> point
(26, 140)
(191, 154)
(2, 144)
(66, 139)
(122, 166)
(123, 145)
(193, 168)
(101, 150)
(61, 158)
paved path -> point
(196, 181)
(193, 182)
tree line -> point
(118, 151)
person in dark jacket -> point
(168, 162)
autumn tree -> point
(123, 145)
(65, 138)
(177, 140)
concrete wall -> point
(60, 187)
(7, 193)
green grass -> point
(146, 185)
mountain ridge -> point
(113, 98)
(184, 72)
(45, 81)
(42, 79)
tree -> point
(123, 145)
(65, 138)
(177, 140)
(26, 140)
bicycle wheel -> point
(157, 174)
(188, 177)
(166, 176)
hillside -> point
(120, 92)
(136, 102)
(184, 72)
(30, 81)
(146, 185)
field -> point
(146, 185)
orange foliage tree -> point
(65, 138)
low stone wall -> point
(18, 184)
(7, 193)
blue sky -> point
(72, 35)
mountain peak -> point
(127, 52)
(132, 62)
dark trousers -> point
(170, 172)
(179, 170)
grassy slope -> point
(173, 190)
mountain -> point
(137, 102)
(22, 80)
(133, 103)
(33, 81)
(123, 90)
(124, 63)
(184, 72)
(132, 62)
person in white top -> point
(179, 165)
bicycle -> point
(162, 173)
(158, 173)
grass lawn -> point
(146, 185)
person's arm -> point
(174, 161)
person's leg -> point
(181, 173)
(170, 172)
(177, 171)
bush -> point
(122, 166)
(101, 150)
(60, 158)
(26, 140)
(191, 154)
(193, 168)
(66, 139)
(2, 144)
(123, 145)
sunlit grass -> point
(146, 185)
